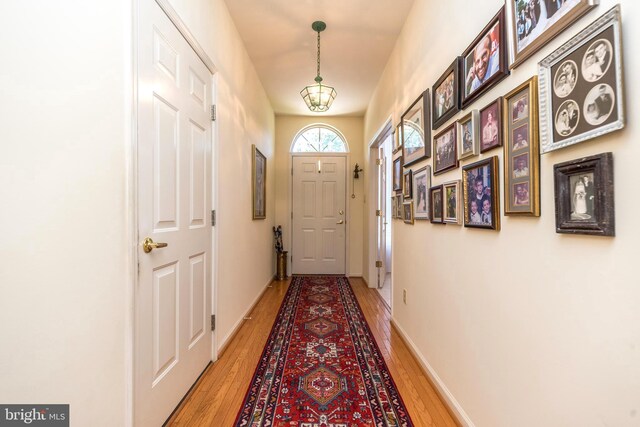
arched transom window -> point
(319, 139)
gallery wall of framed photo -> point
(529, 135)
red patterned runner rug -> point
(321, 366)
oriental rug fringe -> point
(321, 366)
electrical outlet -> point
(404, 296)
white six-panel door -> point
(319, 215)
(173, 299)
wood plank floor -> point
(216, 399)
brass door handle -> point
(148, 245)
(340, 222)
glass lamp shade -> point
(318, 97)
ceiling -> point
(355, 47)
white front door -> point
(319, 215)
(382, 217)
(173, 299)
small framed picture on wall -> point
(481, 195)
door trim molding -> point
(347, 187)
(188, 36)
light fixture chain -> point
(318, 53)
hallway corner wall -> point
(523, 326)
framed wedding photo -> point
(491, 126)
(584, 193)
(258, 183)
(451, 197)
(397, 174)
(484, 62)
(407, 212)
(521, 150)
(437, 204)
(406, 185)
(468, 135)
(421, 185)
(445, 150)
(535, 23)
(445, 94)
(481, 194)
(581, 86)
(416, 134)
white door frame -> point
(131, 202)
(385, 130)
(347, 155)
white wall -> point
(352, 128)
(524, 327)
(63, 252)
(65, 116)
(246, 258)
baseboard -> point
(240, 322)
(445, 395)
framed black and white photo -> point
(484, 62)
(581, 86)
(534, 23)
(421, 185)
(445, 94)
(468, 135)
(416, 133)
(584, 196)
(259, 183)
(445, 150)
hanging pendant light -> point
(318, 97)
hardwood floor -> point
(216, 399)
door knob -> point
(341, 212)
(148, 245)
(340, 222)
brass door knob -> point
(148, 245)
(340, 222)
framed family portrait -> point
(416, 135)
(581, 87)
(406, 185)
(445, 150)
(521, 150)
(484, 62)
(259, 183)
(468, 135)
(584, 193)
(480, 194)
(533, 23)
(445, 94)
(407, 212)
(397, 174)
(451, 197)
(435, 196)
(491, 126)
(421, 185)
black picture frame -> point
(580, 209)
(495, 108)
(445, 150)
(451, 77)
(436, 201)
(485, 170)
(407, 185)
(415, 131)
(468, 92)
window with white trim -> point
(319, 139)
